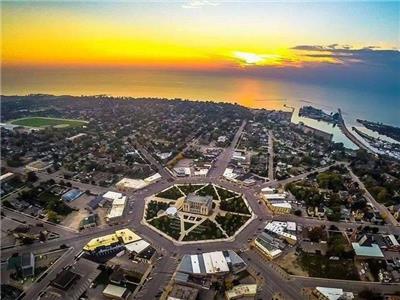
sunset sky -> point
(260, 38)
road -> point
(350, 135)
(382, 208)
(271, 278)
(224, 158)
(270, 155)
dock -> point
(351, 136)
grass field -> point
(38, 122)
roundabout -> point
(192, 213)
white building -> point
(118, 205)
(128, 184)
(285, 230)
(325, 293)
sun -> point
(248, 58)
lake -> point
(248, 91)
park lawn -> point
(38, 122)
(170, 226)
(190, 188)
(172, 193)
(231, 223)
(154, 207)
(208, 190)
(207, 230)
(236, 204)
(321, 266)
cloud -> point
(370, 55)
(368, 68)
(199, 3)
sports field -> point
(38, 122)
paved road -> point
(224, 158)
(158, 278)
(350, 135)
(160, 169)
(275, 183)
(34, 291)
(272, 278)
(270, 155)
(382, 208)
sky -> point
(353, 43)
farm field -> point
(38, 122)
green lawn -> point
(43, 122)
(231, 223)
(206, 230)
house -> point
(197, 204)
(24, 264)
(88, 222)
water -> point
(248, 91)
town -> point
(122, 198)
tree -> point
(337, 245)
(52, 217)
(31, 176)
(316, 234)
(7, 203)
(298, 212)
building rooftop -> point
(368, 251)
(241, 290)
(114, 291)
(127, 236)
(131, 183)
(112, 195)
(334, 293)
(65, 279)
(71, 195)
(102, 241)
(137, 246)
(205, 200)
(211, 263)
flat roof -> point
(282, 204)
(368, 251)
(215, 262)
(6, 175)
(152, 178)
(137, 246)
(127, 235)
(112, 195)
(241, 290)
(105, 240)
(330, 293)
(195, 263)
(115, 212)
(114, 290)
(199, 199)
(131, 183)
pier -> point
(351, 136)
